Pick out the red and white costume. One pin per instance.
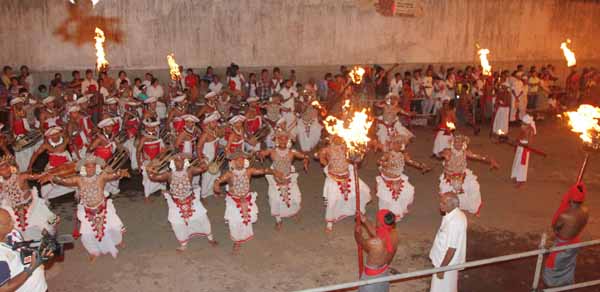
(394, 191)
(29, 214)
(151, 149)
(459, 179)
(101, 229)
(241, 210)
(209, 151)
(20, 128)
(56, 159)
(284, 196)
(187, 215)
(132, 126)
(389, 125)
(340, 188)
(521, 161)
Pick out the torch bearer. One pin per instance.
(354, 131)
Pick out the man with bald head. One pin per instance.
(450, 244)
(14, 274)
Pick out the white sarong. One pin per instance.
(150, 186)
(280, 208)
(441, 142)
(23, 157)
(520, 164)
(308, 139)
(195, 226)
(238, 230)
(501, 120)
(448, 284)
(338, 206)
(399, 205)
(38, 218)
(470, 197)
(131, 149)
(113, 232)
(383, 132)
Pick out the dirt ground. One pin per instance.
(303, 256)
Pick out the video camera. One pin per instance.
(48, 243)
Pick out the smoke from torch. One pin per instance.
(173, 67)
(101, 61)
(569, 55)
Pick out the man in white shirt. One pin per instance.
(450, 244)
(89, 85)
(396, 84)
(14, 275)
(428, 90)
(215, 85)
(148, 79)
(289, 95)
(156, 91)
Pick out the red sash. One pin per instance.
(253, 124)
(551, 261)
(104, 152)
(375, 272)
(56, 160)
(78, 140)
(152, 149)
(524, 156)
(131, 127)
(19, 127)
(238, 203)
(178, 125)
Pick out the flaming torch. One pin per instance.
(354, 130)
(585, 122)
(483, 60)
(174, 69)
(101, 61)
(569, 55)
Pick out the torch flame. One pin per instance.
(356, 134)
(569, 55)
(450, 126)
(316, 103)
(173, 67)
(500, 132)
(101, 61)
(357, 74)
(584, 121)
(485, 64)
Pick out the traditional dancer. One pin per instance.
(339, 190)
(101, 229)
(21, 129)
(131, 122)
(284, 194)
(30, 214)
(49, 116)
(308, 129)
(568, 222)
(187, 138)
(521, 162)
(389, 123)
(236, 136)
(208, 146)
(446, 128)
(241, 210)
(457, 178)
(187, 215)
(273, 114)
(394, 191)
(179, 109)
(149, 146)
(56, 144)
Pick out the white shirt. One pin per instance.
(238, 80)
(35, 283)
(157, 91)
(428, 84)
(452, 234)
(86, 83)
(136, 91)
(104, 92)
(396, 86)
(287, 93)
(215, 87)
(148, 83)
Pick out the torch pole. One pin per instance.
(358, 219)
(583, 167)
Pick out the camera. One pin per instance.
(48, 243)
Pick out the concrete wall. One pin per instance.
(297, 32)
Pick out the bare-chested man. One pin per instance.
(380, 246)
(390, 124)
(567, 224)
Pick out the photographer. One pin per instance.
(14, 274)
